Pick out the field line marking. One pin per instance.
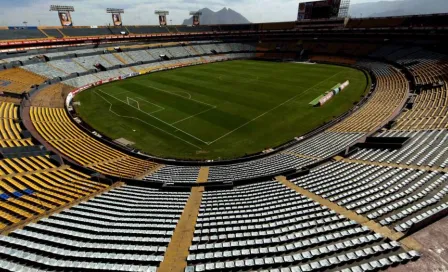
(121, 92)
(160, 107)
(165, 91)
(189, 95)
(261, 115)
(204, 111)
(135, 118)
(156, 118)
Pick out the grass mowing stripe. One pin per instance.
(261, 115)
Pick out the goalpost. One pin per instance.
(133, 103)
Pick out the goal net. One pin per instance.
(133, 103)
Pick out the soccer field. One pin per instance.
(220, 110)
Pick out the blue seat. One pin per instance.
(17, 194)
(4, 196)
(28, 191)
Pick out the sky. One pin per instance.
(141, 12)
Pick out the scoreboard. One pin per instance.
(324, 9)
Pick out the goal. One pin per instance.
(133, 103)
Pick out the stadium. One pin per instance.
(319, 144)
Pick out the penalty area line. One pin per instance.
(160, 120)
(135, 118)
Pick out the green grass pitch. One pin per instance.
(220, 110)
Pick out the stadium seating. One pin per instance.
(268, 226)
(54, 125)
(429, 109)
(52, 32)
(68, 66)
(45, 70)
(127, 229)
(52, 96)
(85, 31)
(10, 127)
(425, 148)
(300, 155)
(173, 174)
(257, 226)
(386, 194)
(139, 55)
(82, 80)
(391, 90)
(147, 29)
(17, 80)
(33, 185)
(15, 34)
(89, 62)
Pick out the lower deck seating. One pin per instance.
(172, 173)
(126, 229)
(30, 186)
(10, 128)
(52, 96)
(267, 226)
(54, 125)
(391, 90)
(425, 148)
(334, 59)
(388, 195)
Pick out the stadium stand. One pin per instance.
(31, 186)
(388, 195)
(173, 174)
(147, 29)
(52, 96)
(427, 148)
(391, 90)
(127, 228)
(55, 33)
(15, 34)
(429, 109)
(54, 125)
(349, 214)
(10, 127)
(68, 66)
(71, 32)
(139, 55)
(267, 225)
(17, 80)
(45, 70)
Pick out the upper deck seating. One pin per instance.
(73, 32)
(147, 29)
(52, 32)
(18, 34)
